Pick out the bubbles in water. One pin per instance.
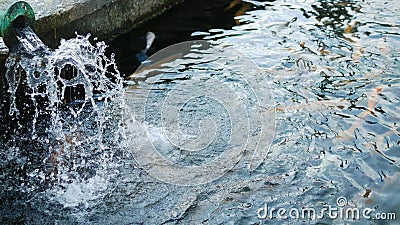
(199, 109)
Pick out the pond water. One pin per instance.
(306, 91)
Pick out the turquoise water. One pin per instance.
(332, 69)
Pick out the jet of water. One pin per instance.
(66, 103)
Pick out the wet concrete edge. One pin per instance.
(104, 19)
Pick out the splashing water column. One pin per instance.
(19, 14)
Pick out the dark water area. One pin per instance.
(175, 26)
(331, 141)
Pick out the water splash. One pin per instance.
(65, 104)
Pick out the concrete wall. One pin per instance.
(105, 19)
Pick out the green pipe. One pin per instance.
(19, 14)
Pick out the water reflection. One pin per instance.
(334, 68)
(178, 25)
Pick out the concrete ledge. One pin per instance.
(104, 19)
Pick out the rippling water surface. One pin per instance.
(332, 69)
